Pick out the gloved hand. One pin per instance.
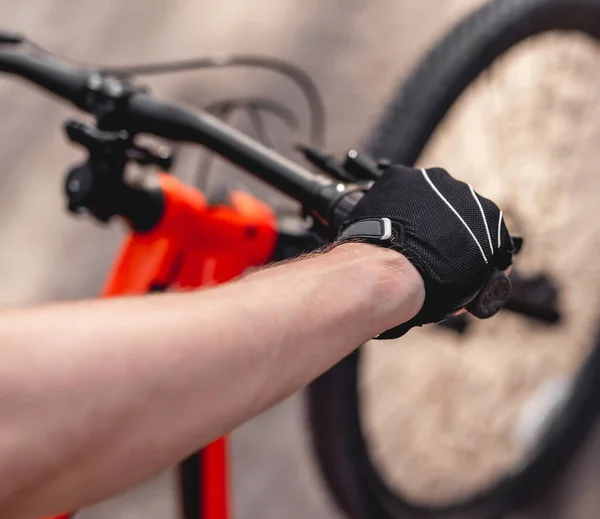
(455, 238)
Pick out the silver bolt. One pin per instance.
(95, 82)
(114, 87)
(340, 187)
(352, 154)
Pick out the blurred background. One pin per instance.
(445, 413)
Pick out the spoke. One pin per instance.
(258, 124)
(223, 111)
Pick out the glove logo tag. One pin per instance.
(371, 229)
(387, 229)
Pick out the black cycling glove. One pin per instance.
(455, 238)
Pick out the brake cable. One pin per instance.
(297, 75)
(254, 107)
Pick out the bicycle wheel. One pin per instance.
(478, 424)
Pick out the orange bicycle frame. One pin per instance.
(196, 244)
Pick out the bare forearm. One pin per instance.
(96, 396)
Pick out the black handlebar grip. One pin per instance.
(55, 76)
(341, 206)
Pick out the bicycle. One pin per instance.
(178, 239)
(466, 75)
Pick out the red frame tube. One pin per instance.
(196, 244)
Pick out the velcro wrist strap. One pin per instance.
(369, 229)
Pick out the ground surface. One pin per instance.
(356, 51)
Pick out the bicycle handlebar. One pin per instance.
(139, 112)
(146, 114)
(52, 74)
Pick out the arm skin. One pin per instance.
(97, 396)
